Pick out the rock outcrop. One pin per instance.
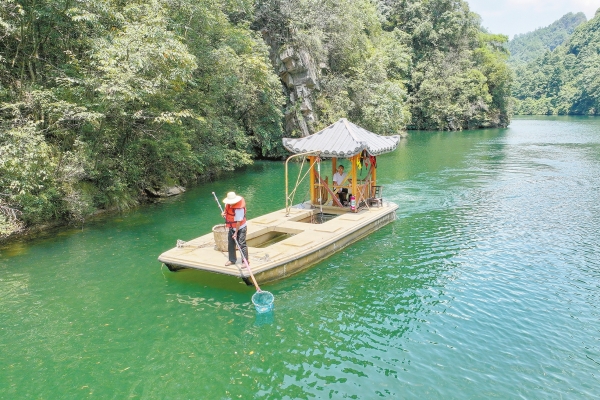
(165, 191)
(299, 76)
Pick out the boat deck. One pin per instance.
(280, 245)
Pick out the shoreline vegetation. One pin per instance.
(33, 231)
(557, 68)
(103, 103)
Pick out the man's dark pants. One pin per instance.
(241, 238)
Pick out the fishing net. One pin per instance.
(263, 301)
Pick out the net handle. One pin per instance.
(219, 204)
(258, 289)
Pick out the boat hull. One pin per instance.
(281, 244)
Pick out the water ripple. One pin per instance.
(487, 285)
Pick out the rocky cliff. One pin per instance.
(299, 76)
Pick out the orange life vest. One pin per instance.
(230, 213)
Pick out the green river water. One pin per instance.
(486, 286)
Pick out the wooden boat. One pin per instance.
(289, 240)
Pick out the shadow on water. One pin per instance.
(204, 279)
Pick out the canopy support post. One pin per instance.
(313, 179)
(373, 175)
(333, 166)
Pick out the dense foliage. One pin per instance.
(530, 46)
(394, 64)
(565, 80)
(105, 101)
(458, 77)
(102, 100)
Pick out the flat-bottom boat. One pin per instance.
(286, 241)
(283, 242)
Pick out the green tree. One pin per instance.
(104, 102)
(565, 80)
(122, 98)
(529, 46)
(458, 79)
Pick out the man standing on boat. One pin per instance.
(235, 220)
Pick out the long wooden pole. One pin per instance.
(258, 289)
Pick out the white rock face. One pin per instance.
(299, 76)
(175, 190)
(166, 191)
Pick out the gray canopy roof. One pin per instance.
(342, 139)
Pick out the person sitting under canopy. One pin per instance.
(339, 179)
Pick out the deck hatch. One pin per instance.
(329, 229)
(270, 238)
(299, 242)
(318, 218)
(352, 217)
(265, 220)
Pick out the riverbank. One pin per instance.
(31, 232)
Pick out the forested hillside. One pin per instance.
(103, 102)
(530, 46)
(564, 81)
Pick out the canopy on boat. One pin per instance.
(342, 139)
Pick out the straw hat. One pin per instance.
(232, 198)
